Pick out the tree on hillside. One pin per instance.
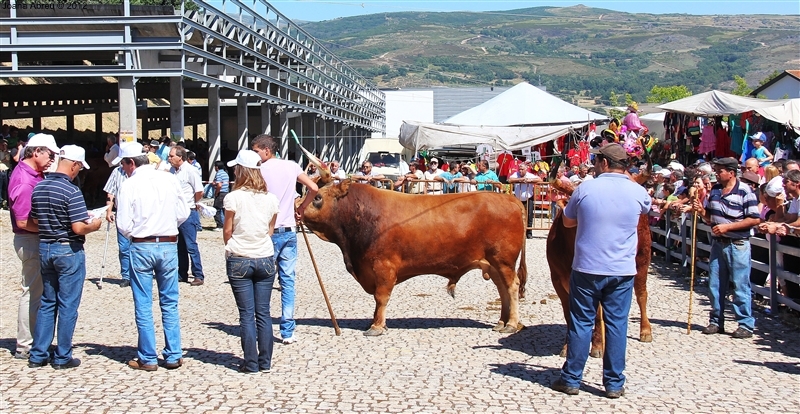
(741, 88)
(664, 94)
(770, 77)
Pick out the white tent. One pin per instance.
(716, 103)
(655, 124)
(520, 117)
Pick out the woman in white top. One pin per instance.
(250, 214)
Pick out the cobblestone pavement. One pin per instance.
(440, 355)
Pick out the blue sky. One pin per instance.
(317, 10)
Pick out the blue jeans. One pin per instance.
(187, 247)
(124, 256)
(251, 282)
(63, 274)
(730, 263)
(586, 292)
(159, 261)
(285, 245)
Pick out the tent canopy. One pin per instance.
(520, 117)
(524, 104)
(717, 103)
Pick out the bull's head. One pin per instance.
(322, 214)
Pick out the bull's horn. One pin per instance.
(324, 170)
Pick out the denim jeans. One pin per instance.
(124, 256)
(156, 261)
(285, 245)
(63, 274)
(730, 263)
(251, 282)
(187, 247)
(586, 292)
(219, 216)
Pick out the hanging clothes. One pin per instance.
(723, 147)
(737, 125)
(708, 140)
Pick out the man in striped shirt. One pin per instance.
(58, 208)
(731, 209)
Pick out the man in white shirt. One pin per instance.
(150, 210)
(523, 181)
(431, 174)
(337, 174)
(112, 150)
(192, 191)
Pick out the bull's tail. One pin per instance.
(522, 271)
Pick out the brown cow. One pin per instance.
(561, 250)
(388, 237)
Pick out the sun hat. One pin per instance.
(246, 158)
(128, 150)
(155, 143)
(74, 153)
(43, 140)
(750, 177)
(433, 160)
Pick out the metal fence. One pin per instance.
(675, 241)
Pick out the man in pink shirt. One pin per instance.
(281, 177)
(36, 158)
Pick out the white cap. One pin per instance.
(433, 160)
(74, 153)
(246, 158)
(676, 166)
(664, 172)
(758, 136)
(774, 187)
(575, 179)
(43, 140)
(128, 150)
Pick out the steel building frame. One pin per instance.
(245, 46)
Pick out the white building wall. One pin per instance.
(785, 87)
(412, 105)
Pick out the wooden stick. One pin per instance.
(693, 197)
(319, 279)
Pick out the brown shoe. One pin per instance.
(173, 365)
(136, 364)
(711, 329)
(197, 282)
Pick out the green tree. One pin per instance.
(770, 77)
(613, 99)
(741, 88)
(664, 94)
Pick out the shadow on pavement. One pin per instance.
(10, 344)
(208, 356)
(535, 340)
(121, 354)
(672, 324)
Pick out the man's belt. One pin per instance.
(285, 229)
(728, 240)
(155, 239)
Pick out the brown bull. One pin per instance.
(388, 237)
(561, 250)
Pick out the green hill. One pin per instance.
(577, 52)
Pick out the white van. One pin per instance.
(387, 157)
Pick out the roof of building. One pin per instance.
(793, 73)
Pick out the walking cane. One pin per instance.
(319, 279)
(692, 197)
(99, 283)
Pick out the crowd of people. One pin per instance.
(153, 199)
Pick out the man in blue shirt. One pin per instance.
(731, 210)
(606, 211)
(58, 208)
(485, 177)
(221, 189)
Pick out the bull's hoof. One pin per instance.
(373, 331)
(563, 353)
(596, 353)
(510, 329)
(646, 338)
(500, 325)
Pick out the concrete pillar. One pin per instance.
(71, 127)
(176, 116)
(194, 132)
(266, 118)
(127, 109)
(242, 123)
(37, 124)
(284, 135)
(213, 126)
(98, 123)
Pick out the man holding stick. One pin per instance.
(281, 177)
(731, 209)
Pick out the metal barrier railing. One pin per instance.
(772, 266)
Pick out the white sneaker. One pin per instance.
(290, 340)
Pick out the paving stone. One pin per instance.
(439, 356)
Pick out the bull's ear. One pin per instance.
(344, 187)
